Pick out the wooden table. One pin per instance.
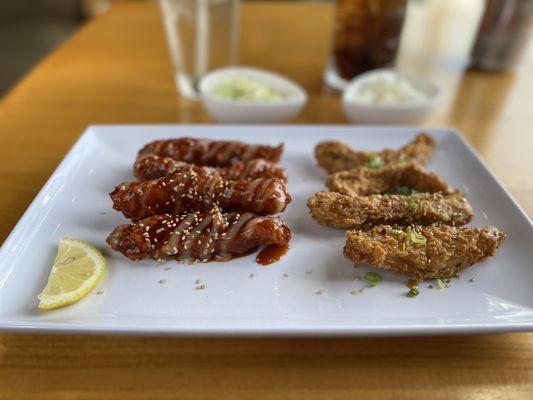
(116, 70)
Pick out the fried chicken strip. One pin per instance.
(198, 237)
(441, 251)
(391, 178)
(336, 156)
(192, 191)
(153, 166)
(210, 152)
(362, 212)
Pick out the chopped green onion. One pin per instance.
(374, 162)
(405, 190)
(395, 231)
(415, 237)
(412, 204)
(413, 292)
(401, 160)
(441, 284)
(372, 278)
(401, 190)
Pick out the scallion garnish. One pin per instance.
(441, 284)
(401, 160)
(413, 292)
(405, 190)
(395, 231)
(372, 278)
(415, 237)
(412, 204)
(401, 190)
(374, 162)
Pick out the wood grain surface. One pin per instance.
(116, 69)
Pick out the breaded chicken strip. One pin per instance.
(362, 212)
(336, 156)
(435, 251)
(399, 179)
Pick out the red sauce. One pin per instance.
(271, 254)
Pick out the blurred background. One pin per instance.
(30, 29)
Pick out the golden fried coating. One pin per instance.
(438, 251)
(336, 156)
(391, 178)
(362, 212)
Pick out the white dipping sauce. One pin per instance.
(388, 88)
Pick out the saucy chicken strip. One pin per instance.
(153, 166)
(192, 191)
(435, 251)
(392, 179)
(335, 156)
(198, 236)
(210, 152)
(362, 212)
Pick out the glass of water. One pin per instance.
(202, 35)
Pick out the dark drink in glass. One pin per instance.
(366, 35)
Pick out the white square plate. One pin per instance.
(280, 299)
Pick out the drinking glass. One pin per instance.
(202, 35)
(366, 35)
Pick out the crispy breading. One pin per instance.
(335, 156)
(365, 181)
(447, 250)
(362, 212)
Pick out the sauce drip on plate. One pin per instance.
(271, 254)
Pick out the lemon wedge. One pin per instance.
(77, 268)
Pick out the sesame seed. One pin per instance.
(162, 281)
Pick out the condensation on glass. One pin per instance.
(202, 35)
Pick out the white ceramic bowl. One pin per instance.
(358, 111)
(233, 111)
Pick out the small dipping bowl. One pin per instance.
(359, 111)
(251, 111)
